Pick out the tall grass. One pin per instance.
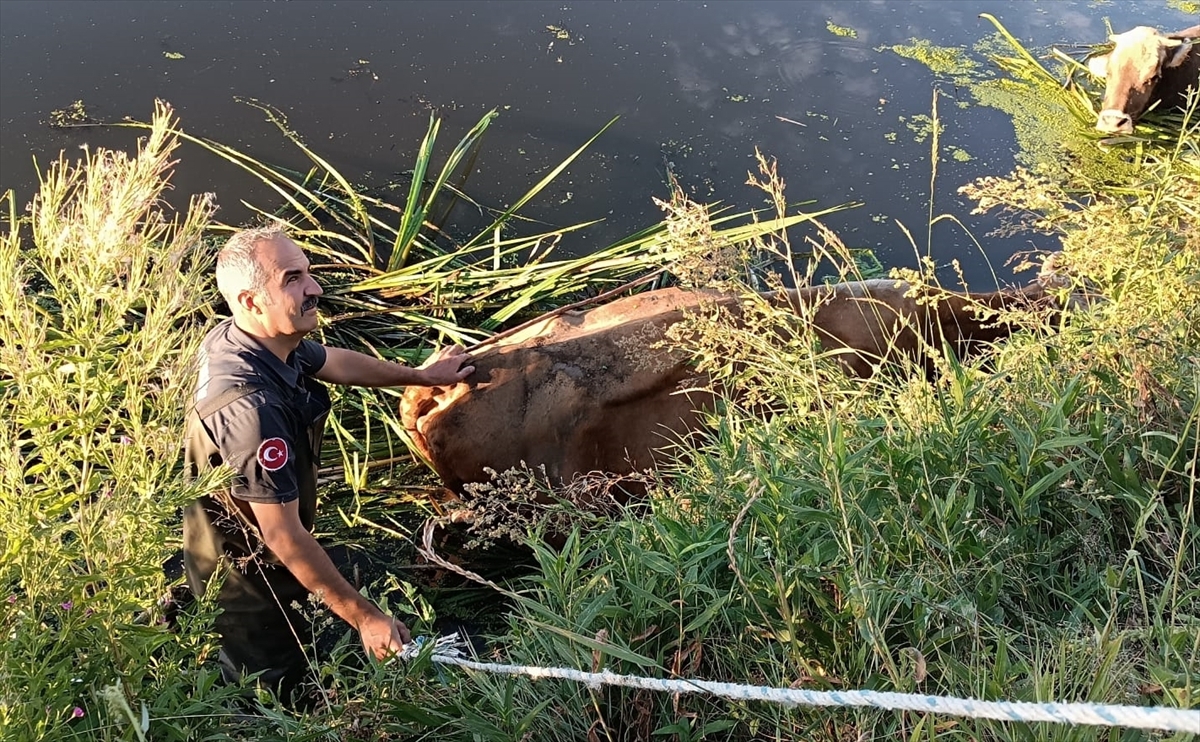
(100, 327)
(1024, 532)
(97, 341)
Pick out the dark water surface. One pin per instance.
(697, 86)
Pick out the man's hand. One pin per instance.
(447, 366)
(382, 636)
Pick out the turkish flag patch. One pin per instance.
(273, 454)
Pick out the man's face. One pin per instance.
(287, 305)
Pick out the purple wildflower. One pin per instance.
(77, 713)
(68, 605)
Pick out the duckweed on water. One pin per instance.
(921, 126)
(942, 60)
(1045, 128)
(1185, 6)
(843, 31)
(959, 154)
(561, 34)
(74, 114)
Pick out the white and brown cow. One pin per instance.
(587, 391)
(1145, 67)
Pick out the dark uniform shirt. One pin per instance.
(265, 419)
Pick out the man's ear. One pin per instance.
(1098, 66)
(249, 301)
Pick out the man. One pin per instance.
(260, 409)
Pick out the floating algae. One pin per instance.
(921, 126)
(959, 154)
(1053, 124)
(950, 61)
(73, 115)
(843, 31)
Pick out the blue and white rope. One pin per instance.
(447, 651)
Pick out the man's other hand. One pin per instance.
(383, 636)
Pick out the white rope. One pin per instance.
(448, 651)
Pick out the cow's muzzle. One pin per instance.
(1112, 121)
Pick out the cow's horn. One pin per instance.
(1171, 43)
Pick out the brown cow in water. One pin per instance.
(585, 391)
(1145, 67)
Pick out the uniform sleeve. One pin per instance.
(311, 355)
(257, 442)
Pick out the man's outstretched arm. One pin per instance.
(348, 367)
(296, 548)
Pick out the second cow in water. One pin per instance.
(1145, 68)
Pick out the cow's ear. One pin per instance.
(1098, 66)
(1176, 56)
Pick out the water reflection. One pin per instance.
(697, 85)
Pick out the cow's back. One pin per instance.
(590, 391)
(580, 392)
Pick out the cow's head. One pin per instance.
(1132, 69)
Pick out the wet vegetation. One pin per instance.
(1023, 528)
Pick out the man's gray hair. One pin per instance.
(238, 268)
